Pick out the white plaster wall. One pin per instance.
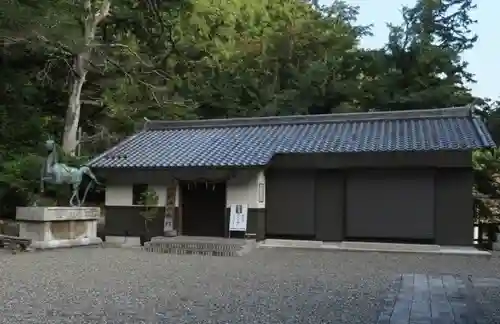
(248, 187)
(121, 195)
(118, 195)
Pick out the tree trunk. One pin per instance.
(91, 19)
(72, 119)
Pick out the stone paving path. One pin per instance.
(428, 299)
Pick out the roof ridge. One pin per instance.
(452, 112)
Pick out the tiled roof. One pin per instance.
(254, 141)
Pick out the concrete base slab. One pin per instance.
(291, 244)
(123, 241)
(463, 250)
(55, 244)
(374, 247)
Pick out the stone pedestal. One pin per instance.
(55, 227)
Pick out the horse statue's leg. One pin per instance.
(76, 195)
(72, 199)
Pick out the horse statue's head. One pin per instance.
(50, 145)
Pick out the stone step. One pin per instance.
(200, 246)
(195, 251)
(197, 245)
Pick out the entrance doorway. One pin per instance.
(203, 208)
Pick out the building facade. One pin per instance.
(245, 187)
(397, 176)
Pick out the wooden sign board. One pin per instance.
(238, 218)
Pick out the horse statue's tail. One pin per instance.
(86, 170)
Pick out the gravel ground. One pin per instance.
(115, 285)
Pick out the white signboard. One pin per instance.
(168, 224)
(238, 218)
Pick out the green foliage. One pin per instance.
(486, 166)
(149, 201)
(490, 111)
(18, 174)
(211, 59)
(421, 64)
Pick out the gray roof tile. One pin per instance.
(253, 142)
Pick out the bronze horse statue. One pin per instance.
(57, 173)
